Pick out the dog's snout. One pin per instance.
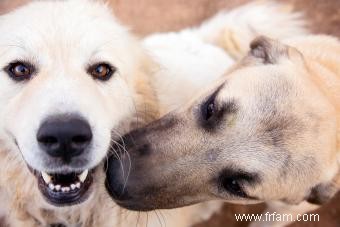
(64, 137)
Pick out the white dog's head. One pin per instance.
(67, 81)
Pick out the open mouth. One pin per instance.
(65, 189)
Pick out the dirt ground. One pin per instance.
(147, 16)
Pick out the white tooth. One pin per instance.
(73, 186)
(46, 177)
(51, 186)
(78, 184)
(83, 175)
(57, 187)
(65, 189)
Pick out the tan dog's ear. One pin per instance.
(264, 50)
(324, 192)
(267, 50)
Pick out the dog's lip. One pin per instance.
(65, 189)
(135, 207)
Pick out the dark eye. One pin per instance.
(233, 181)
(101, 71)
(209, 109)
(20, 70)
(232, 185)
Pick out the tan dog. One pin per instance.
(269, 130)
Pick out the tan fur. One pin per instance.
(274, 131)
(147, 104)
(323, 57)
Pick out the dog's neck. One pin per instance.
(324, 56)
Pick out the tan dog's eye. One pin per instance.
(20, 70)
(232, 186)
(233, 181)
(209, 108)
(101, 71)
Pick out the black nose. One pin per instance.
(116, 181)
(64, 137)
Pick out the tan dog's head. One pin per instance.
(264, 132)
(70, 76)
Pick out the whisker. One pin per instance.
(123, 146)
(159, 220)
(163, 217)
(138, 217)
(147, 219)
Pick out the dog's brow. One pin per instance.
(219, 88)
(215, 93)
(18, 45)
(15, 41)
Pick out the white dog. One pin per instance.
(73, 80)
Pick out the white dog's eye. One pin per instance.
(20, 70)
(101, 71)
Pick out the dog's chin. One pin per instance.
(65, 189)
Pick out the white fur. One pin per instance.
(187, 64)
(237, 30)
(62, 86)
(193, 57)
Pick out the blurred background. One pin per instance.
(148, 16)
